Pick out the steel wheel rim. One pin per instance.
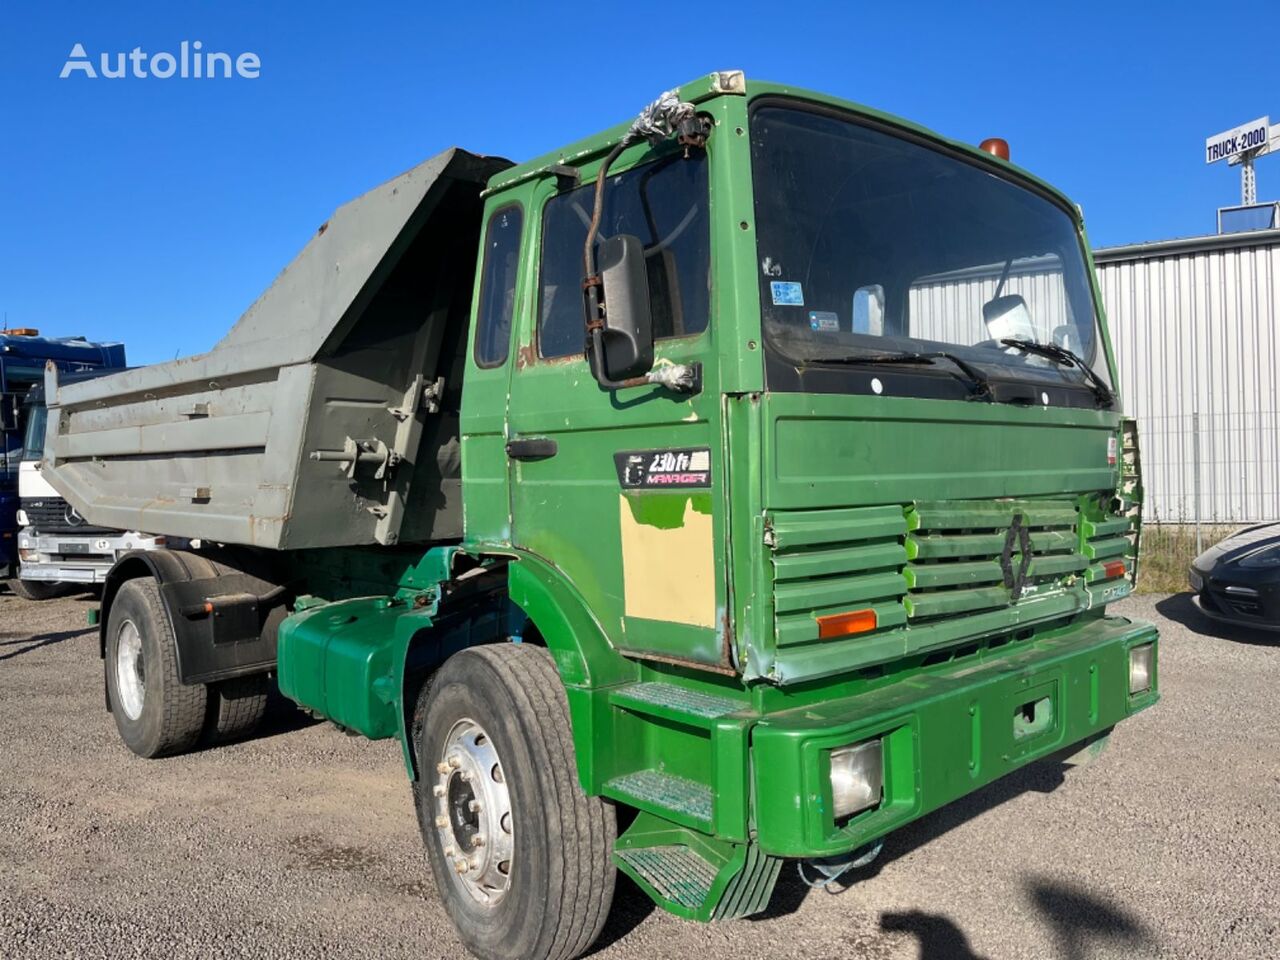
(130, 672)
(473, 812)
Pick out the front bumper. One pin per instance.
(1232, 599)
(945, 733)
(87, 572)
(75, 557)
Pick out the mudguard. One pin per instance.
(224, 618)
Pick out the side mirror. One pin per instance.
(1068, 336)
(1008, 317)
(627, 336)
(10, 415)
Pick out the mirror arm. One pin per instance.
(665, 116)
(676, 377)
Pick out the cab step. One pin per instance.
(695, 876)
(671, 702)
(676, 873)
(681, 754)
(683, 800)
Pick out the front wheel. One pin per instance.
(35, 589)
(521, 856)
(155, 712)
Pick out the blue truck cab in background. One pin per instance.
(23, 355)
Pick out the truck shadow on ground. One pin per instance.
(282, 716)
(35, 643)
(1079, 921)
(1042, 777)
(1075, 917)
(1179, 608)
(1080, 924)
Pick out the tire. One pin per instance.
(167, 716)
(236, 707)
(35, 589)
(560, 875)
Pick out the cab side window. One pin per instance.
(664, 203)
(498, 286)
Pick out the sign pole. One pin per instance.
(1248, 179)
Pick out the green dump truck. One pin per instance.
(732, 487)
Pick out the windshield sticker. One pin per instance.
(824, 321)
(787, 293)
(664, 469)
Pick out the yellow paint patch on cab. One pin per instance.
(669, 574)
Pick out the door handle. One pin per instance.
(534, 448)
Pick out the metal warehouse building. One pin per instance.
(1195, 327)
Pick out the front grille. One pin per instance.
(957, 553)
(1248, 608)
(55, 515)
(930, 562)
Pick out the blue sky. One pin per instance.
(154, 211)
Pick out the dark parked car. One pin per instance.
(1238, 580)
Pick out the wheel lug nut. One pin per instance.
(478, 840)
(474, 806)
(461, 865)
(443, 767)
(438, 790)
(442, 821)
(473, 864)
(449, 851)
(454, 763)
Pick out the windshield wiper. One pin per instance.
(979, 386)
(1067, 358)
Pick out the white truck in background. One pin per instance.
(57, 548)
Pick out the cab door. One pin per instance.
(486, 493)
(621, 490)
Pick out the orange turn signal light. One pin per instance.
(844, 624)
(1113, 568)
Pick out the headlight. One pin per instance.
(1141, 660)
(857, 777)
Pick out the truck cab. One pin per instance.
(58, 548)
(895, 510)
(23, 356)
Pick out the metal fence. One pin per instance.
(1196, 329)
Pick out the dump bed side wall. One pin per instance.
(219, 447)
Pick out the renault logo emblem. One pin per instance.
(1017, 539)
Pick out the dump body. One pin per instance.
(327, 416)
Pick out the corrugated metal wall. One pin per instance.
(1196, 328)
(948, 308)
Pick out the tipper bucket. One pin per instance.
(327, 416)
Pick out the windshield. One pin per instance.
(870, 243)
(37, 414)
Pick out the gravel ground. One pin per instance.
(302, 843)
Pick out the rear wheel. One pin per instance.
(521, 856)
(35, 589)
(154, 711)
(236, 707)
